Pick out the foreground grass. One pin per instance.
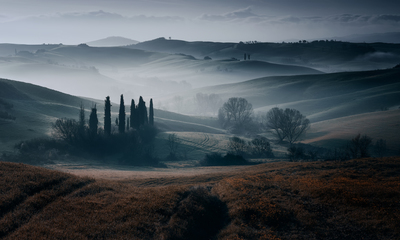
(357, 199)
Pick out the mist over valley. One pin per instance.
(245, 120)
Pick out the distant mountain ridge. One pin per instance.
(113, 41)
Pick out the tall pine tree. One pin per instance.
(151, 113)
(107, 116)
(93, 121)
(121, 116)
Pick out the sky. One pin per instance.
(79, 21)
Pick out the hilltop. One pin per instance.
(112, 42)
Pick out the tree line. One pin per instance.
(237, 116)
(132, 138)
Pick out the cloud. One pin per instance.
(99, 16)
(247, 15)
(235, 15)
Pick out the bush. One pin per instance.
(215, 159)
(295, 153)
(260, 147)
(237, 146)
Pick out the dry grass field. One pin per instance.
(357, 199)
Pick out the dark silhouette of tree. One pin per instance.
(142, 112)
(121, 116)
(151, 114)
(359, 146)
(380, 148)
(82, 120)
(260, 147)
(93, 121)
(116, 122)
(133, 117)
(107, 116)
(236, 113)
(244, 57)
(66, 129)
(295, 153)
(81, 123)
(127, 124)
(248, 56)
(287, 124)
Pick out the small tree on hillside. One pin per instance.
(236, 113)
(107, 116)
(287, 124)
(66, 129)
(121, 116)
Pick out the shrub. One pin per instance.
(260, 147)
(215, 159)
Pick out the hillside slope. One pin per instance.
(355, 199)
(320, 97)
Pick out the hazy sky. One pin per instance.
(77, 21)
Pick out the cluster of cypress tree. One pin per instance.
(138, 115)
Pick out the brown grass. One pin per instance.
(357, 199)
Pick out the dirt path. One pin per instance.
(117, 172)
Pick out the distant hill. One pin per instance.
(387, 37)
(321, 96)
(327, 56)
(112, 42)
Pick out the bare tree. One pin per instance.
(235, 113)
(287, 124)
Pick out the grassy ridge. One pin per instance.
(318, 200)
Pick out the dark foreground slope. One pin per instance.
(356, 199)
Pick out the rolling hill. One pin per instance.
(320, 97)
(112, 42)
(324, 55)
(116, 70)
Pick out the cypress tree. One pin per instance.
(93, 121)
(133, 116)
(121, 116)
(82, 122)
(151, 113)
(107, 117)
(141, 112)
